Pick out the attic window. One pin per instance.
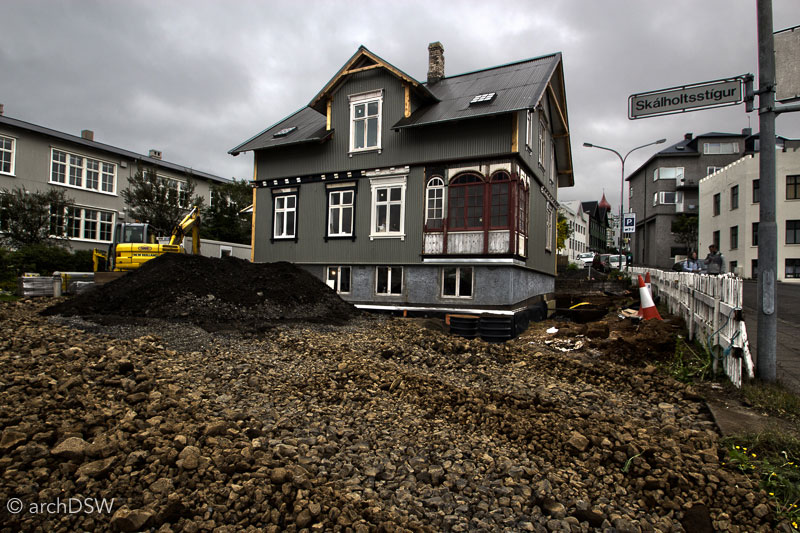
(284, 132)
(483, 98)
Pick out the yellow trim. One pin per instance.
(328, 115)
(361, 69)
(253, 228)
(346, 71)
(515, 133)
(554, 99)
(255, 166)
(407, 98)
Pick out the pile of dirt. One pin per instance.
(215, 294)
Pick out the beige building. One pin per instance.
(578, 221)
(729, 213)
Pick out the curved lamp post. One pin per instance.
(622, 183)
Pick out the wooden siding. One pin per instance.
(311, 245)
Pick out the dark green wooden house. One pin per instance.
(436, 197)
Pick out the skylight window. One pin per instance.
(285, 131)
(483, 98)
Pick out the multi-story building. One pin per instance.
(92, 174)
(427, 197)
(666, 186)
(729, 213)
(598, 213)
(578, 222)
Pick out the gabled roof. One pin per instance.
(363, 60)
(518, 86)
(147, 160)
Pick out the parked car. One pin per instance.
(585, 259)
(617, 262)
(680, 266)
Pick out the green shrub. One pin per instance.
(43, 259)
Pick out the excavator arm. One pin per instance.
(190, 222)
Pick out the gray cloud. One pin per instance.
(195, 78)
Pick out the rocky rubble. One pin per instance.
(376, 425)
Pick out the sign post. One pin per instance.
(629, 223)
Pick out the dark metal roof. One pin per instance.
(518, 85)
(310, 127)
(109, 149)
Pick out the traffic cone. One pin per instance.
(647, 283)
(647, 309)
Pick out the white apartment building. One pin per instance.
(729, 213)
(578, 222)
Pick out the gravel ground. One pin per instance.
(375, 425)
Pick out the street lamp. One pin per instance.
(622, 183)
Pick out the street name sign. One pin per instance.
(704, 95)
(629, 223)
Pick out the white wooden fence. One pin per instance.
(711, 307)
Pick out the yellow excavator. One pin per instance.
(135, 243)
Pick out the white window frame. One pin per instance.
(715, 148)
(549, 227)
(12, 153)
(76, 223)
(438, 188)
(366, 99)
(531, 120)
(678, 171)
(284, 211)
(390, 272)
(376, 184)
(659, 198)
(542, 142)
(458, 283)
(338, 210)
(337, 280)
(552, 170)
(76, 168)
(711, 169)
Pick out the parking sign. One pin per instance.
(629, 223)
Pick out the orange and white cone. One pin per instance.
(647, 309)
(647, 283)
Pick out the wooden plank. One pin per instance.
(407, 100)
(361, 69)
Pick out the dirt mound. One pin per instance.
(215, 294)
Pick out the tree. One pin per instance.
(159, 201)
(223, 220)
(31, 217)
(563, 232)
(684, 227)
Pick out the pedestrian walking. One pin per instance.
(715, 261)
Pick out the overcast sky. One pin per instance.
(196, 78)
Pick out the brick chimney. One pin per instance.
(747, 131)
(435, 62)
(155, 154)
(1, 110)
(688, 136)
(87, 134)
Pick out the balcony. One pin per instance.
(686, 183)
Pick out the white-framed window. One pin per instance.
(388, 280)
(457, 282)
(668, 173)
(711, 170)
(388, 207)
(285, 221)
(664, 198)
(630, 191)
(82, 223)
(339, 279)
(434, 204)
(549, 228)
(81, 172)
(7, 151)
(340, 213)
(530, 126)
(542, 143)
(365, 121)
(721, 148)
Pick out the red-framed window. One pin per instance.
(465, 202)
